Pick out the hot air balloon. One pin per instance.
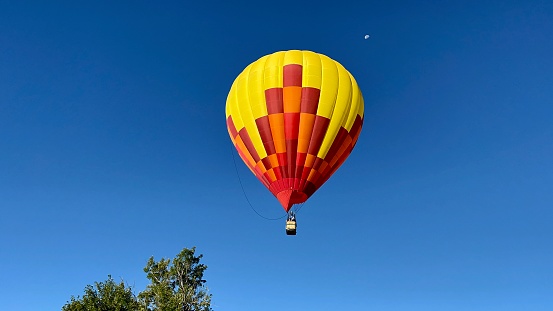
(294, 117)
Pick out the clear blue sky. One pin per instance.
(113, 148)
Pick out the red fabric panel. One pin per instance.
(291, 130)
(244, 158)
(305, 172)
(317, 164)
(347, 143)
(336, 144)
(248, 142)
(282, 160)
(273, 98)
(310, 100)
(324, 169)
(309, 189)
(259, 174)
(266, 163)
(302, 182)
(341, 160)
(231, 127)
(264, 129)
(318, 181)
(291, 151)
(278, 173)
(356, 128)
(292, 75)
(319, 130)
(300, 159)
(267, 177)
(291, 126)
(296, 184)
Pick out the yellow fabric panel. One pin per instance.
(329, 87)
(356, 102)
(230, 97)
(361, 102)
(274, 79)
(341, 110)
(293, 57)
(311, 73)
(232, 108)
(256, 90)
(244, 106)
(240, 100)
(361, 111)
(273, 70)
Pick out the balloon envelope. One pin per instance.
(294, 117)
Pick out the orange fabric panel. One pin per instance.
(306, 128)
(271, 174)
(273, 160)
(276, 122)
(309, 160)
(323, 167)
(292, 99)
(313, 175)
(240, 145)
(343, 148)
(261, 167)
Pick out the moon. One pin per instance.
(367, 36)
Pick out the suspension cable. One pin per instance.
(244, 192)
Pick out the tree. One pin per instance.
(104, 296)
(176, 285)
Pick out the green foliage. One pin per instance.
(104, 296)
(175, 285)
